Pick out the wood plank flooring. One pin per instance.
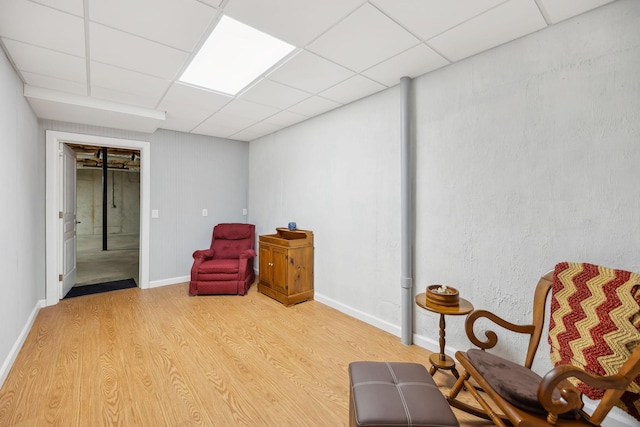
(158, 357)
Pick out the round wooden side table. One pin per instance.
(441, 360)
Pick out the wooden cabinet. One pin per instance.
(286, 265)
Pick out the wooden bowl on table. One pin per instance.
(443, 295)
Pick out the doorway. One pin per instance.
(55, 256)
(107, 214)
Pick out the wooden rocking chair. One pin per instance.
(526, 399)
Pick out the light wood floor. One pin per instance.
(158, 357)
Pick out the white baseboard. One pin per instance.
(11, 357)
(367, 318)
(419, 340)
(616, 418)
(430, 344)
(166, 282)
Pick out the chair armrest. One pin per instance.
(557, 379)
(198, 258)
(491, 337)
(248, 253)
(205, 253)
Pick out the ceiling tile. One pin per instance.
(314, 106)
(363, 39)
(354, 88)
(47, 62)
(295, 21)
(75, 7)
(412, 63)
(286, 118)
(214, 3)
(42, 26)
(427, 19)
(256, 131)
(187, 107)
(223, 125)
(176, 23)
(310, 73)
(250, 110)
(274, 94)
(54, 83)
(502, 24)
(125, 81)
(181, 96)
(559, 10)
(134, 53)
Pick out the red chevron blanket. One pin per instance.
(595, 323)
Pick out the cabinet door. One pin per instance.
(279, 269)
(266, 269)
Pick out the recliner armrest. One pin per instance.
(205, 253)
(248, 253)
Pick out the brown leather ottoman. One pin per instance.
(396, 394)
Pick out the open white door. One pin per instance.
(68, 220)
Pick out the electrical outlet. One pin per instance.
(244, 211)
(205, 212)
(155, 213)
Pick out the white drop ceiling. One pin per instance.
(116, 63)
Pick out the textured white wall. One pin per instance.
(526, 155)
(21, 219)
(338, 175)
(529, 155)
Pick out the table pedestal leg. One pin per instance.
(443, 326)
(441, 360)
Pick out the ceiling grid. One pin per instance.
(117, 63)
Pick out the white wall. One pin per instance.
(21, 219)
(338, 175)
(190, 173)
(526, 155)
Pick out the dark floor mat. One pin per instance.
(99, 288)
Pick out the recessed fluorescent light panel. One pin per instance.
(233, 56)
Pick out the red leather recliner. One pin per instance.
(227, 266)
